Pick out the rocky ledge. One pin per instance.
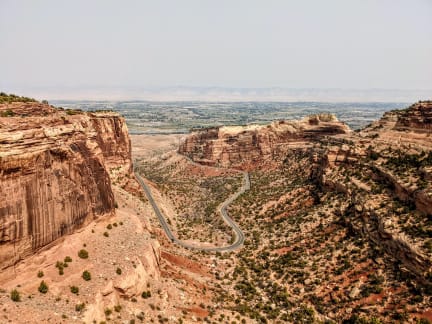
(417, 117)
(383, 172)
(54, 173)
(243, 146)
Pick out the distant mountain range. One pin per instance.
(184, 93)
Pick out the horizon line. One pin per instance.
(220, 94)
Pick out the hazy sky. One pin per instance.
(226, 43)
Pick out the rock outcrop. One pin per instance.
(383, 172)
(363, 220)
(113, 138)
(54, 173)
(241, 146)
(417, 118)
(129, 286)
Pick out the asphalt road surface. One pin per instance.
(239, 236)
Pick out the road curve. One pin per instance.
(239, 236)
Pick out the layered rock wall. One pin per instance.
(369, 211)
(113, 138)
(54, 174)
(417, 117)
(240, 146)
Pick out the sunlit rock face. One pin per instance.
(417, 118)
(242, 146)
(54, 176)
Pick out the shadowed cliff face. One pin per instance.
(245, 146)
(53, 173)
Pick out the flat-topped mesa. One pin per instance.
(54, 173)
(243, 146)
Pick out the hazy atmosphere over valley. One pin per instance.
(216, 161)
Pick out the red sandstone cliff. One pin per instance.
(240, 146)
(113, 138)
(417, 117)
(54, 173)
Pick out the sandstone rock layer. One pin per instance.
(242, 146)
(54, 176)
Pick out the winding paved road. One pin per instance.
(239, 236)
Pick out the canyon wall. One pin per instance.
(417, 118)
(383, 172)
(54, 173)
(243, 146)
(380, 171)
(113, 138)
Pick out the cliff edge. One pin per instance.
(244, 146)
(54, 172)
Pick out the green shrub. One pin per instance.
(83, 254)
(68, 259)
(86, 275)
(117, 308)
(106, 234)
(79, 307)
(109, 226)
(146, 294)
(74, 290)
(60, 266)
(8, 98)
(40, 274)
(43, 287)
(7, 113)
(119, 271)
(15, 295)
(72, 112)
